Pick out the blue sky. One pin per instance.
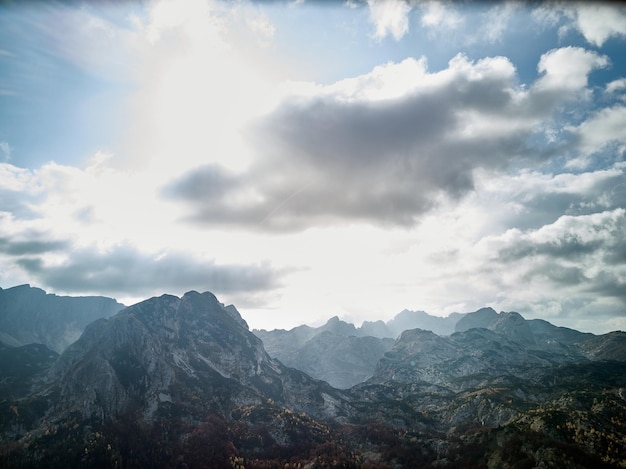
(309, 159)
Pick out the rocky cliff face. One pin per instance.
(29, 315)
(170, 348)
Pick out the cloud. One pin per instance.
(124, 270)
(604, 128)
(19, 191)
(440, 16)
(568, 68)
(600, 21)
(356, 150)
(574, 251)
(531, 199)
(36, 245)
(597, 21)
(496, 22)
(389, 17)
(616, 85)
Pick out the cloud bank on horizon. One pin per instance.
(302, 160)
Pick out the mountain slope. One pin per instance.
(182, 382)
(21, 366)
(184, 366)
(184, 346)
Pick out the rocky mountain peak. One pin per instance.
(483, 317)
(339, 327)
(514, 325)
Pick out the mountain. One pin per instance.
(406, 320)
(334, 352)
(482, 318)
(29, 315)
(183, 345)
(339, 360)
(516, 394)
(182, 382)
(166, 364)
(342, 354)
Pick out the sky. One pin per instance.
(305, 159)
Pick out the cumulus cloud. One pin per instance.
(600, 21)
(389, 17)
(580, 252)
(531, 199)
(568, 68)
(354, 150)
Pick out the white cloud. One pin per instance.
(568, 68)
(599, 21)
(547, 14)
(440, 16)
(615, 86)
(605, 127)
(596, 21)
(496, 22)
(389, 81)
(389, 17)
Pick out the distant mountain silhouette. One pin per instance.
(29, 315)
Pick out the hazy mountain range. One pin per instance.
(343, 354)
(183, 382)
(30, 315)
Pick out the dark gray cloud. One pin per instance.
(388, 161)
(384, 162)
(15, 247)
(608, 283)
(126, 271)
(572, 248)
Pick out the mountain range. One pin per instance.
(183, 382)
(341, 353)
